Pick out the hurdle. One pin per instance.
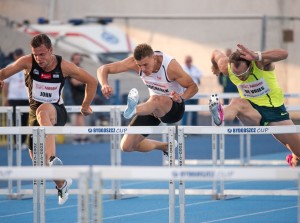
(8, 110)
(70, 109)
(194, 173)
(100, 173)
(232, 130)
(115, 154)
(39, 158)
(169, 130)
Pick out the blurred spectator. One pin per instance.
(228, 86)
(15, 94)
(101, 118)
(2, 59)
(76, 93)
(191, 118)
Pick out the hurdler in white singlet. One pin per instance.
(159, 83)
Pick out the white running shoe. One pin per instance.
(63, 193)
(216, 109)
(55, 161)
(132, 101)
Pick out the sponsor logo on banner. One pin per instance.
(107, 130)
(248, 130)
(202, 174)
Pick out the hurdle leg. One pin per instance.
(222, 161)
(97, 198)
(118, 150)
(36, 189)
(18, 151)
(242, 159)
(41, 162)
(113, 153)
(164, 138)
(83, 198)
(171, 182)
(181, 163)
(10, 151)
(214, 163)
(248, 148)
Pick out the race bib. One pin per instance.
(255, 89)
(45, 92)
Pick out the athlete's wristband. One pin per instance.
(259, 56)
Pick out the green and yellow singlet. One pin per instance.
(261, 87)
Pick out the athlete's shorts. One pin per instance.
(173, 116)
(271, 114)
(61, 117)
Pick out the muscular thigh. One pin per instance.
(246, 113)
(163, 104)
(46, 112)
(57, 114)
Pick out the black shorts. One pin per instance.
(173, 116)
(61, 116)
(271, 114)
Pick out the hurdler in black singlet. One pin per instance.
(45, 87)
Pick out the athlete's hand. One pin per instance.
(86, 110)
(106, 91)
(1, 83)
(176, 97)
(215, 70)
(246, 53)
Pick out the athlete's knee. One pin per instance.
(234, 102)
(41, 115)
(126, 147)
(239, 104)
(44, 117)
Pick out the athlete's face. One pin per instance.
(42, 55)
(242, 72)
(146, 65)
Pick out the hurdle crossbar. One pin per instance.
(99, 173)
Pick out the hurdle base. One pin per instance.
(225, 197)
(16, 196)
(122, 196)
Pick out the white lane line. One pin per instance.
(252, 214)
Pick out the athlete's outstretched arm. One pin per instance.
(15, 67)
(219, 63)
(176, 73)
(114, 68)
(83, 76)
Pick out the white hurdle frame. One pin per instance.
(170, 130)
(100, 173)
(9, 111)
(70, 109)
(115, 152)
(233, 130)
